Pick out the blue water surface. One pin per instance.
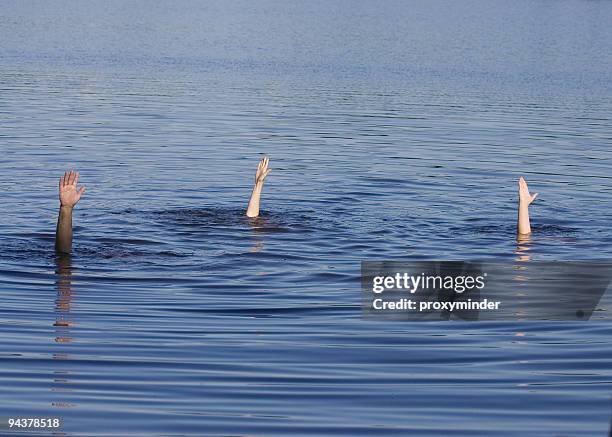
(396, 131)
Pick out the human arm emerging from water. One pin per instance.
(525, 199)
(260, 176)
(69, 196)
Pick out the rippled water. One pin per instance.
(395, 131)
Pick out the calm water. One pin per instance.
(395, 131)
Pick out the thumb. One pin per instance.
(81, 191)
(534, 196)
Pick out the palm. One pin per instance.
(68, 193)
(262, 170)
(524, 195)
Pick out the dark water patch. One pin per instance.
(30, 251)
(542, 230)
(42, 253)
(269, 222)
(121, 251)
(555, 230)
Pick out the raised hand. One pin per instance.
(262, 171)
(524, 197)
(68, 193)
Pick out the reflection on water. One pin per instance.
(64, 294)
(521, 275)
(523, 247)
(63, 324)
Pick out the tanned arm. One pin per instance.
(69, 196)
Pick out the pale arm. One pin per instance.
(260, 176)
(69, 197)
(525, 199)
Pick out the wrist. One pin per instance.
(66, 207)
(524, 203)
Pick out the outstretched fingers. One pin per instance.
(263, 169)
(263, 164)
(70, 178)
(69, 192)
